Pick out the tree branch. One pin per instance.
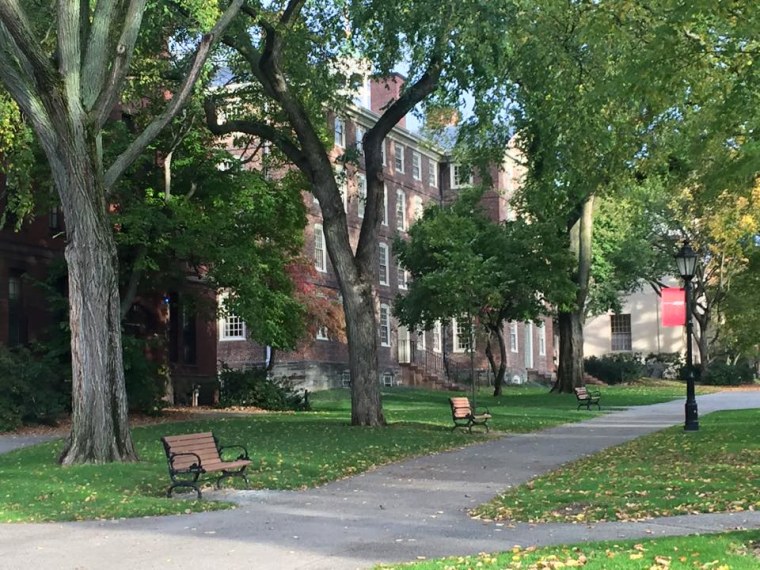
(108, 92)
(97, 47)
(292, 10)
(134, 150)
(26, 49)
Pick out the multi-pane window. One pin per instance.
(340, 132)
(403, 277)
(382, 254)
(385, 325)
(513, 337)
(320, 253)
(398, 157)
(437, 335)
(384, 214)
(233, 328)
(432, 173)
(342, 182)
(620, 327)
(528, 350)
(360, 132)
(421, 342)
(361, 190)
(416, 166)
(322, 333)
(541, 340)
(462, 337)
(418, 208)
(460, 176)
(400, 210)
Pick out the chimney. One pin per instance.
(383, 92)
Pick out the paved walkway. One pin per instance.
(396, 513)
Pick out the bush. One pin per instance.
(664, 365)
(255, 388)
(721, 373)
(615, 368)
(32, 388)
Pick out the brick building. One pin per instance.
(417, 173)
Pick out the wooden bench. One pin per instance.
(192, 455)
(587, 398)
(464, 416)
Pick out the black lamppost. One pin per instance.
(686, 260)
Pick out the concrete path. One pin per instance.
(400, 512)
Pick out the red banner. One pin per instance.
(673, 307)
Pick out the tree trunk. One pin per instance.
(100, 426)
(570, 369)
(500, 372)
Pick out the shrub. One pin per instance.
(144, 378)
(32, 388)
(615, 368)
(664, 365)
(256, 388)
(721, 373)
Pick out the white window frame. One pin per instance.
(225, 322)
(385, 204)
(322, 333)
(398, 157)
(360, 132)
(339, 132)
(422, 344)
(384, 323)
(382, 263)
(400, 210)
(320, 251)
(403, 277)
(432, 173)
(514, 342)
(459, 346)
(361, 191)
(342, 181)
(438, 337)
(382, 151)
(542, 339)
(455, 178)
(528, 350)
(416, 165)
(418, 208)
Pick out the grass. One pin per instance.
(732, 550)
(290, 450)
(666, 473)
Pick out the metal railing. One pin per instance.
(426, 360)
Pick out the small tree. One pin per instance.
(462, 263)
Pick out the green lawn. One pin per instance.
(289, 450)
(666, 473)
(727, 551)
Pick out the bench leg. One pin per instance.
(188, 484)
(227, 474)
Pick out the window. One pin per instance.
(54, 219)
(320, 255)
(189, 337)
(232, 328)
(385, 325)
(322, 333)
(385, 205)
(382, 253)
(15, 312)
(340, 132)
(360, 132)
(528, 332)
(418, 208)
(432, 173)
(400, 210)
(342, 182)
(382, 151)
(620, 327)
(461, 338)
(416, 166)
(513, 337)
(387, 378)
(460, 176)
(437, 335)
(398, 157)
(541, 340)
(361, 190)
(422, 341)
(403, 276)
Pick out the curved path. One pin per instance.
(395, 513)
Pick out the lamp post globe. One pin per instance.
(686, 261)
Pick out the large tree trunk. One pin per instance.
(570, 369)
(500, 371)
(99, 427)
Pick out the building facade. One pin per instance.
(417, 174)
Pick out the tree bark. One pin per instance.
(499, 372)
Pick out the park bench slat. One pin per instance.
(587, 398)
(463, 414)
(191, 455)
